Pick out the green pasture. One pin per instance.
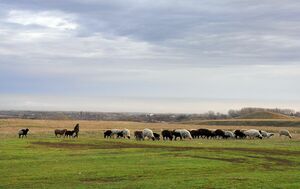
(42, 161)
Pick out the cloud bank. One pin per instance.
(228, 50)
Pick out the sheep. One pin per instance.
(285, 132)
(156, 136)
(148, 133)
(183, 133)
(107, 133)
(121, 133)
(229, 134)
(176, 134)
(167, 135)
(194, 133)
(266, 134)
(69, 133)
(220, 133)
(206, 133)
(139, 135)
(59, 132)
(23, 132)
(239, 134)
(117, 132)
(126, 133)
(252, 133)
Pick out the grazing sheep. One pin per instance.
(194, 133)
(239, 134)
(126, 133)
(220, 133)
(206, 133)
(116, 132)
(166, 134)
(285, 133)
(69, 134)
(176, 134)
(120, 134)
(148, 133)
(266, 134)
(59, 132)
(107, 134)
(183, 133)
(156, 136)
(253, 133)
(139, 135)
(23, 132)
(229, 134)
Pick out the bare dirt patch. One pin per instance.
(260, 151)
(103, 180)
(111, 179)
(230, 160)
(275, 163)
(105, 145)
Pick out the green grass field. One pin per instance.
(42, 161)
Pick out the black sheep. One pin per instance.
(194, 133)
(120, 134)
(206, 133)
(23, 132)
(220, 133)
(69, 134)
(156, 136)
(107, 134)
(239, 134)
(176, 134)
(167, 135)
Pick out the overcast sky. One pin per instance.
(149, 56)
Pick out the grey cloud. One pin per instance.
(182, 49)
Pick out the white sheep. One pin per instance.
(148, 133)
(252, 133)
(266, 134)
(285, 133)
(184, 133)
(126, 133)
(229, 134)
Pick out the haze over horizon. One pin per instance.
(144, 56)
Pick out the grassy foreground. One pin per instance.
(42, 161)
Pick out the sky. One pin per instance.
(164, 56)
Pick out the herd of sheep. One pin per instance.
(172, 134)
(192, 134)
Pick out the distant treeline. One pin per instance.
(245, 111)
(140, 117)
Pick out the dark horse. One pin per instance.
(76, 130)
